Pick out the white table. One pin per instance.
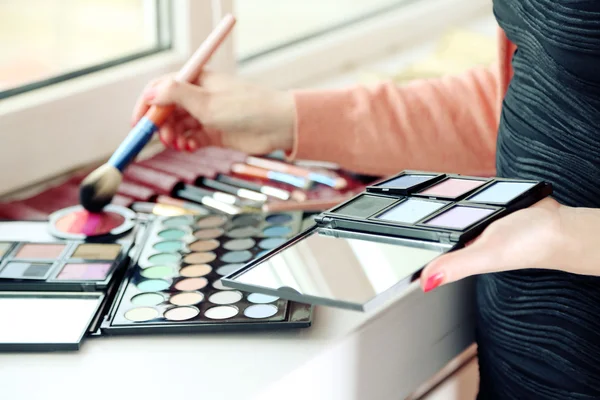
(345, 355)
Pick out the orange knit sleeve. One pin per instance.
(447, 124)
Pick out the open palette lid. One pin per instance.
(372, 246)
(37, 321)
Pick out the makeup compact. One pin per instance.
(161, 276)
(60, 266)
(366, 250)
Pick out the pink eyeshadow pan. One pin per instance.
(84, 272)
(460, 217)
(452, 187)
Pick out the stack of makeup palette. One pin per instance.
(150, 274)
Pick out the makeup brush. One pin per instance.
(99, 187)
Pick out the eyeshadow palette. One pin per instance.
(62, 266)
(176, 283)
(363, 251)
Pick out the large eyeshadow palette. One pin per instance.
(176, 283)
(364, 250)
(63, 266)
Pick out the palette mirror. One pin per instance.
(341, 269)
(46, 321)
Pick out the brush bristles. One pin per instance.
(99, 187)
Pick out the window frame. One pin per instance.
(346, 47)
(68, 125)
(88, 116)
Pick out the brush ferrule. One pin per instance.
(135, 141)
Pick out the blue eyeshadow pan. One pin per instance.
(406, 181)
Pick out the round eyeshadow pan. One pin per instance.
(212, 221)
(195, 271)
(200, 258)
(260, 311)
(178, 221)
(258, 298)
(147, 299)
(219, 285)
(279, 219)
(262, 253)
(169, 246)
(277, 230)
(228, 269)
(236, 256)
(271, 243)
(191, 284)
(165, 258)
(227, 297)
(186, 298)
(245, 232)
(204, 245)
(171, 234)
(153, 285)
(141, 314)
(212, 233)
(247, 219)
(239, 244)
(158, 272)
(181, 313)
(221, 312)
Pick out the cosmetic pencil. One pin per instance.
(209, 202)
(335, 182)
(275, 176)
(192, 207)
(161, 209)
(264, 189)
(99, 187)
(240, 192)
(308, 205)
(223, 197)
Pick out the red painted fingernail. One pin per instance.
(176, 145)
(188, 147)
(433, 281)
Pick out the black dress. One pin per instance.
(539, 331)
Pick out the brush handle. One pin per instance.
(192, 69)
(135, 141)
(141, 134)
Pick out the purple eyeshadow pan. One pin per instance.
(84, 272)
(460, 217)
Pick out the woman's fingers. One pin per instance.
(141, 105)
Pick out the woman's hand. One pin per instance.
(544, 236)
(220, 110)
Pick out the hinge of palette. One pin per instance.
(445, 238)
